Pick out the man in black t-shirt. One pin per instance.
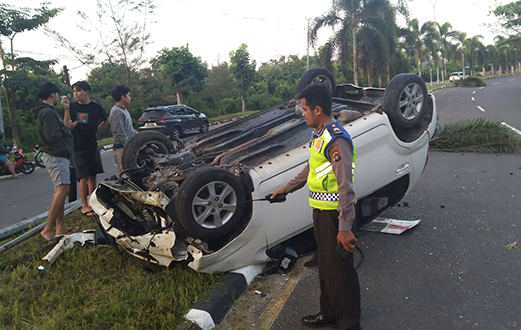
(86, 158)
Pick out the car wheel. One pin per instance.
(210, 205)
(176, 133)
(204, 127)
(27, 167)
(317, 75)
(140, 146)
(405, 99)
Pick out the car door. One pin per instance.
(195, 122)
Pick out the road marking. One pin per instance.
(496, 83)
(274, 307)
(511, 79)
(480, 108)
(511, 127)
(474, 92)
(473, 99)
(481, 87)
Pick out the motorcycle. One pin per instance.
(37, 155)
(21, 163)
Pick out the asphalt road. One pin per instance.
(24, 198)
(454, 270)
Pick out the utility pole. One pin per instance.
(307, 56)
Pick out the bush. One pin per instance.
(470, 82)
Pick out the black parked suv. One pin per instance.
(173, 120)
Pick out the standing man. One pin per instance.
(55, 141)
(120, 122)
(91, 119)
(329, 175)
(4, 160)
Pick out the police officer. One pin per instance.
(329, 176)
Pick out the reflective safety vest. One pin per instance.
(322, 184)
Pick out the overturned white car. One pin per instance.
(197, 202)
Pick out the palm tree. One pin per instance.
(414, 37)
(492, 57)
(445, 33)
(461, 38)
(347, 18)
(476, 50)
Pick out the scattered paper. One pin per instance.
(390, 226)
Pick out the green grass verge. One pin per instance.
(94, 287)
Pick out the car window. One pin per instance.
(190, 111)
(152, 114)
(181, 111)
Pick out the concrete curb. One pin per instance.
(208, 313)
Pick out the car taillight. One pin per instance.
(140, 119)
(163, 117)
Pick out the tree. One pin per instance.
(347, 18)
(183, 71)
(219, 83)
(244, 71)
(445, 33)
(121, 27)
(12, 22)
(509, 16)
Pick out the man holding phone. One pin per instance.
(329, 175)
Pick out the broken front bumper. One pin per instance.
(160, 245)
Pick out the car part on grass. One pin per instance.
(66, 242)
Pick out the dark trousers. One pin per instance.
(339, 286)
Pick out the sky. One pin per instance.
(211, 29)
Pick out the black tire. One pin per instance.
(27, 167)
(137, 149)
(204, 127)
(176, 133)
(405, 100)
(38, 159)
(317, 75)
(210, 205)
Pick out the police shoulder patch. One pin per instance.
(334, 153)
(336, 129)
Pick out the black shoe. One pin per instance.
(317, 320)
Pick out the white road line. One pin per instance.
(511, 79)
(480, 108)
(481, 87)
(473, 99)
(474, 92)
(511, 127)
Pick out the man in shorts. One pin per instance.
(91, 119)
(4, 161)
(120, 122)
(55, 141)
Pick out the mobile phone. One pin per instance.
(341, 252)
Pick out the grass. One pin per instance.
(94, 287)
(476, 135)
